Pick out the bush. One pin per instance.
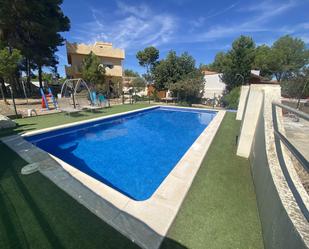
(137, 98)
(230, 100)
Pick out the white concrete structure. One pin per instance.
(214, 86)
(242, 102)
(282, 199)
(249, 120)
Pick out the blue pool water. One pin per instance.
(132, 153)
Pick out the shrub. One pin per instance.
(230, 100)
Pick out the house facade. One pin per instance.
(109, 56)
(214, 87)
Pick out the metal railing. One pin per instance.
(303, 161)
(279, 137)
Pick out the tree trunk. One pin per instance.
(20, 87)
(40, 76)
(13, 99)
(2, 87)
(14, 87)
(28, 73)
(300, 95)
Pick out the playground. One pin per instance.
(75, 95)
(22, 106)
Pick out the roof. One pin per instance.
(207, 72)
(102, 49)
(257, 79)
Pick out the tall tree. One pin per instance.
(289, 55)
(9, 61)
(189, 88)
(264, 60)
(33, 27)
(148, 58)
(239, 62)
(172, 69)
(92, 70)
(221, 61)
(180, 75)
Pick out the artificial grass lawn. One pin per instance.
(44, 121)
(219, 211)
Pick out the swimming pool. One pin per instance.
(132, 153)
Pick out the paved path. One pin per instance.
(298, 134)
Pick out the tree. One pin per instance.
(190, 88)
(289, 55)
(33, 27)
(221, 61)
(130, 73)
(297, 86)
(238, 62)
(172, 69)
(138, 84)
(148, 58)
(180, 75)
(92, 70)
(46, 77)
(9, 61)
(264, 60)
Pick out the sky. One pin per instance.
(201, 28)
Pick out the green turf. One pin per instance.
(219, 211)
(37, 214)
(40, 122)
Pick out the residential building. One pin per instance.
(110, 57)
(214, 86)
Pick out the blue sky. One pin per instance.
(201, 28)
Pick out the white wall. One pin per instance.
(213, 86)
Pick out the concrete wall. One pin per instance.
(242, 102)
(283, 223)
(252, 109)
(214, 86)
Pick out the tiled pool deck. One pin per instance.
(145, 222)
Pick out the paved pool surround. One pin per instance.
(144, 222)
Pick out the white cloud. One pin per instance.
(138, 10)
(260, 15)
(200, 21)
(135, 27)
(224, 10)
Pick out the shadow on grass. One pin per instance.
(94, 111)
(74, 114)
(39, 216)
(10, 229)
(17, 129)
(61, 221)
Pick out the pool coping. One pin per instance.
(144, 222)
